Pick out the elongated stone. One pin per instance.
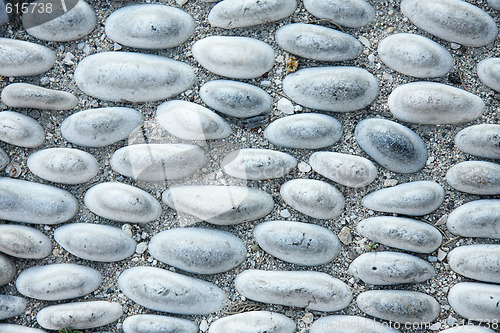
(24, 242)
(299, 243)
(165, 291)
(149, 26)
(119, 76)
(480, 140)
(314, 198)
(399, 306)
(415, 55)
(11, 306)
(303, 289)
(390, 268)
(348, 13)
(475, 301)
(236, 99)
(145, 323)
(158, 162)
(480, 218)
(20, 58)
(122, 202)
(95, 242)
(476, 177)
(79, 315)
(63, 165)
(452, 20)
(469, 329)
(252, 322)
(20, 130)
(191, 121)
(306, 130)
(30, 202)
(479, 262)
(100, 127)
(58, 281)
(414, 198)
(234, 57)
(488, 71)
(317, 42)
(222, 205)
(24, 95)
(13, 328)
(434, 103)
(198, 250)
(401, 233)
(4, 159)
(7, 270)
(349, 324)
(495, 4)
(345, 169)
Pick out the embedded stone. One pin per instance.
(306, 130)
(198, 250)
(24, 95)
(352, 324)
(475, 301)
(158, 162)
(24, 242)
(253, 322)
(236, 99)
(298, 243)
(475, 177)
(29, 202)
(95, 242)
(392, 145)
(11, 306)
(119, 76)
(469, 329)
(149, 26)
(304, 289)
(221, 205)
(480, 218)
(58, 281)
(414, 198)
(336, 89)
(452, 20)
(479, 262)
(7, 270)
(401, 233)
(234, 57)
(488, 71)
(316, 42)
(145, 323)
(161, 290)
(314, 198)
(100, 127)
(4, 159)
(122, 202)
(434, 103)
(348, 13)
(13, 328)
(20, 130)
(480, 140)
(191, 121)
(495, 4)
(20, 58)
(63, 165)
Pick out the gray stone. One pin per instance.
(80, 315)
(314, 198)
(161, 290)
(468, 329)
(24, 95)
(317, 42)
(221, 205)
(401, 233)
(122, 202)
(63, 165)
(149, 26)
(58, 281)
(13, 328)
(475, 301)
(236, 99)
(298, 243)
(95, 242)
(4, 159)
(20, 130)
(349, 324)
(198, 250)
(24, 242)
(100, 127)
(4, 17)
(399, 306)
(29, 202)
(476, 177)
(120, 76)
(348, 13)
(434, 103)
(11, 306)
(20, 58)
(158, 162)
(306, 131)
(234, 57)
(415, 55)
(480, 218)
(452, 20)
(414, 198)
(7, 270)
(191, 121)
(253, 322)
(348, 170)
(479, 262)
(336, 89)
(495, 4)
(488, 71)
(147, 323)
(480, 140)
(304, 289)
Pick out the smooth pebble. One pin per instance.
(475, 177)
(349, 324)
(479, 262)
(11, 306)
(7, 270)
(20, 130)
(348, 13)
(488, 71)
(475, 301)
(24, 95)
(480, 218)
(147, 323)
(495, 4)
(24, 242)
(20, 58)
(481, 140)
(253, 322)
(13, 328)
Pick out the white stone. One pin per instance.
(488, 71)
(480, 140)
(475, 177)
(495, 4)
(352, 324)
(11, 306)
(480, 218)
(24, 95)
(348, 13)
(285, 106)
(24, 242)
(479, 262)
(20, 130)
(475, 301)
(7, 270)
(20, 58)
(304, 167)
(253, 322)
(147, 323)
(13, 328)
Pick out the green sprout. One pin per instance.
(68, 330)
(371, 246)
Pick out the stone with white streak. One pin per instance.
(24, 95)
(475, 177)
(20, 130)
(24, 242)
(147, 323)
(253, 322)
(348, 13)
(20, 58)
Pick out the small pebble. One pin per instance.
(475, 177)
(24, 95)
(303, 167)
(20, 130)
(254, 322)
(285, 106)
(345, 236)
(348, 13)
